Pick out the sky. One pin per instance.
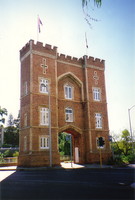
(110, 37)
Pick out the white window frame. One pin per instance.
(68, 114)
(44, 142)
(98, 120)
(96, 94)
(43, 86)
(68, 91)
(44, 116)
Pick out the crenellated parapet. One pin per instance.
(38, 47)
(69, 59)
(94, 61)
(52, 50)
(73, 60)
(25, 48)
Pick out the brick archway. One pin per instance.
(77, 150)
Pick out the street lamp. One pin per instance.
(131, 127)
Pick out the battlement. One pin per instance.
(95, 61)
(38, 47)
(90, 60)
(25, 49)
(47, 48)
(67, 58)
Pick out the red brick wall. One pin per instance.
(61, 70)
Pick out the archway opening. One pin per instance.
(65, 146)
(69, 143)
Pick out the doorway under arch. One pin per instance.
(70, 142)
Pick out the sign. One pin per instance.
(68, 137)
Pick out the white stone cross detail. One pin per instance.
(44, 66)
(96, 77)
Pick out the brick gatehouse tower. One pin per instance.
(61, 94)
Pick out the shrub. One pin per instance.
(128, 159)
(16, 154)
(1, 158)
(8, 153)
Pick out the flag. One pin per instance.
(86, 40)
(39, 23)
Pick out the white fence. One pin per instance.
(8, 161)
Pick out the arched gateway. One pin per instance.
(60, 93)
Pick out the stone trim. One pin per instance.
(66, 127)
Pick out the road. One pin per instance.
(95, 184)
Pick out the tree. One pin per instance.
(17, 121)
(64, 144)
(87, 16)
(96, 2)
(3, 111)
(11, 133)
(122, 149)
(10, 120)
(125, 142)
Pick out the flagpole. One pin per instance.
(86, 44)
(37, 28)
(39, 22)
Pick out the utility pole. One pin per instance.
(131, 127)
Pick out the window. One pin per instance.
(43, 88)
(25, 119)
(44, 142)
(96, 94)
(98, 120)
(69, 114)
(68, 91)
(25, 88)
(44, 116)
(25, 143)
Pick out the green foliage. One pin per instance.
(7, 145)
(11, 152)
(64, 145)
(122, 149)
(11, 133)
(3, 111)
(1, 158)
(116, 149)
(128, 159)
(11, 136)
(16, 154)
(125, 142)
(96, 2)
(8, 153)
